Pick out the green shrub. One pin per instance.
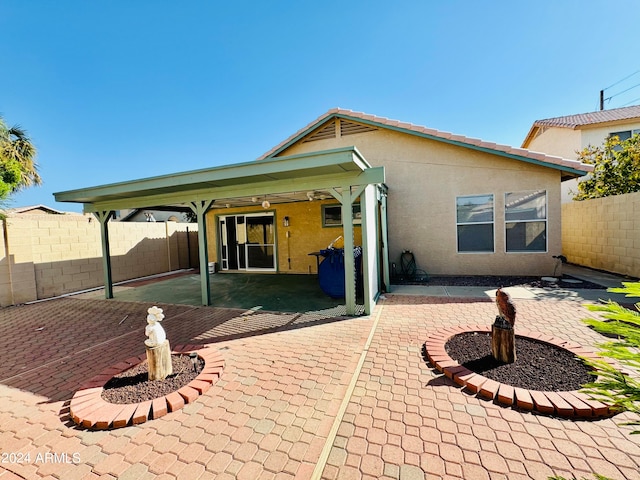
(612, 386)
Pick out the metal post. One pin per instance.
(200, 208)
(104, 217)
(346, 198)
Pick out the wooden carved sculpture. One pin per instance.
(503, 343)
(506, 308)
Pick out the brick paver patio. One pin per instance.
(301, 396)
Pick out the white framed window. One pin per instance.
(624, 134)
(525, 216)
(332, 215)
(475, 223)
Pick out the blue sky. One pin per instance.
(117, 90)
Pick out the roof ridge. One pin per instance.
(438, 134)
(591, 118)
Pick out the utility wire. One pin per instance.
(632, 101)
(620, 81)
(623, 91)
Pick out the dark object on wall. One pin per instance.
(409, 272)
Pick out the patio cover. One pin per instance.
(343, 172)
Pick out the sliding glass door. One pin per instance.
(247, 242)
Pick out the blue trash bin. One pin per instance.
(331, 271)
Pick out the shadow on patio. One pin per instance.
(248, 291)
(52, 347)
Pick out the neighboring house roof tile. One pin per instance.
(552, 161)
(35, 208)
(592, 118)
(575, 122)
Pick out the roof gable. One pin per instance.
(325, 127)
(577, 121)
(37, 209)
(332, 126)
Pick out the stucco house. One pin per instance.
(461, 205)
(34, 210)
(568, 135)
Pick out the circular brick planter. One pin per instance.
(564, 404)
(90, 410)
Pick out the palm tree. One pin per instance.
(16, 149)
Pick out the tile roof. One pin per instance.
(591, 118)
(551, 161)
(31, 208)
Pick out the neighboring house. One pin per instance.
(34, 209)
(461, 205)
(567, 136)
(149, 215)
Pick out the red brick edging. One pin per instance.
(565, 404)
(90, 410)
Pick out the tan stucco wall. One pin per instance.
(425, 176)
(306, 233)
(604, 233)
(47, 255)
(563, 142)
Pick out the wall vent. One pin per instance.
(326, 131)
(350, 128)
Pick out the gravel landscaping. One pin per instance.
(133, 386)
(538, 365)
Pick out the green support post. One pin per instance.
(346, 197)
(104, 217)
(200, 208)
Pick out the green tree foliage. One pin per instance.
(612, 386)
(18, 168)
(616, 168)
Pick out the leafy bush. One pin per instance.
(612, 386)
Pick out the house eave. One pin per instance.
(451, 140)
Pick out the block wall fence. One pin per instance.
(43, 256)
(603, 233)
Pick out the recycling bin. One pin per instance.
(331, 271)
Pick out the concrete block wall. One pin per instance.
(5, 272)
(17, 258)
(603, 233)
(42, 256)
